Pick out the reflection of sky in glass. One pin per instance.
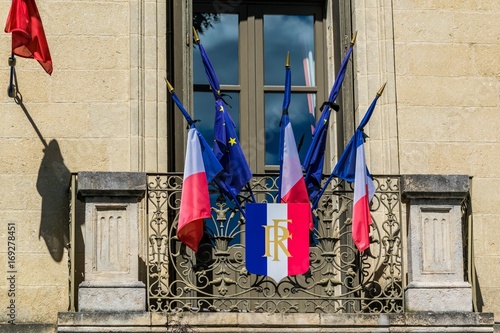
(204, 110)
(221, 43)
(294, 33)
(300, 118)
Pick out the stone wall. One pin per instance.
(439, 112)
(82, 115)
(92, 114)
(447, 66)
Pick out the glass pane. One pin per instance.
(204, 111)
(294, 33)
(220, 40)
(302, 122)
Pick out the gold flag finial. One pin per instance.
(287, 63)
(195, 36)
(353, 40)
(381, 90)
(169, 86)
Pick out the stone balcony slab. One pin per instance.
(227, 322)
(111, 183)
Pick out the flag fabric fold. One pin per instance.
(195, 199)
(364, 189)
(28, 35)
(200, 168)
(228, 151)
(292, 186)
(345, 167)
(315, 157)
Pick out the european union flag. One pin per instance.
(228, 151)
(226, 147)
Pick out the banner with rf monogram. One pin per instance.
(277, 239)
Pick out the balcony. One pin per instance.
(343, 289)
(340, 280)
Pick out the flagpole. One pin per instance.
(360, 127)
(284, 113)
(11, 89)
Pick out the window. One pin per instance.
(247, 45)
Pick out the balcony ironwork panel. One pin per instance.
(340, 279)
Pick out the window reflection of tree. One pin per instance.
(203, 21)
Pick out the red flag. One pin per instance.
(28, 37)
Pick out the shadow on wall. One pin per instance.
(52, 185)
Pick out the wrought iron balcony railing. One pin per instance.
(340, 279)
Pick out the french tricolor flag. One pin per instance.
(195, 200)
(277, 239)
(293, 186)
(364, 191)
(351, 167)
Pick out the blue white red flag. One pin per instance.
(363, 194)
(277, 239)
(195, 200)
(292, 186)
(351, 167)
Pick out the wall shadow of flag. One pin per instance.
(52, 185)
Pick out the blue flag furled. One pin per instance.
(285, 120)
(226, 147)
(314, 161)
(346, 165)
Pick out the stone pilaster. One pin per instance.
(435, 252)
(111, 241)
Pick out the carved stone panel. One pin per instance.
(436, 241)
(111, 239)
